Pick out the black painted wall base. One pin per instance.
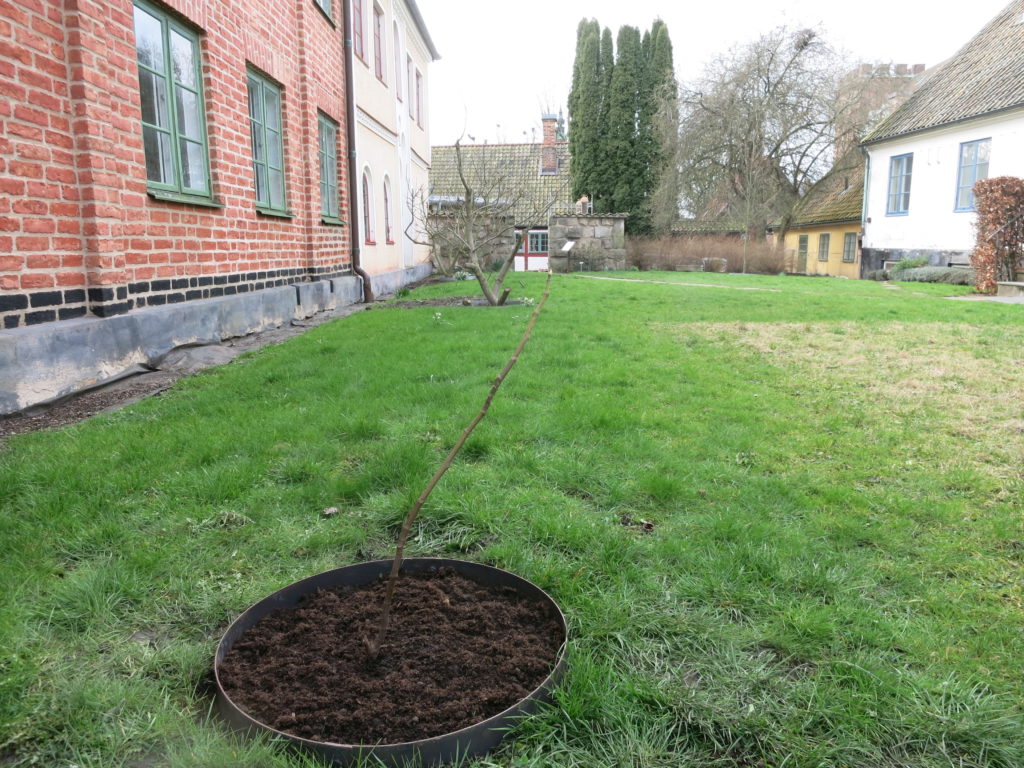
(876, 258)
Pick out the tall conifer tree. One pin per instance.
(623, 166)
(604, 181)
(585, 109)
(618, 110)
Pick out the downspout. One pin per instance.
(350, 132)
(864, 205)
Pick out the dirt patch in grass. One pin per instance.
(458, 653)
(970, 377)
(442, 301)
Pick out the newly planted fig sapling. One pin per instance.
(374, 643)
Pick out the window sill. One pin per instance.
(332, 221)
(369, 242)
(276, 213)
(389, 242)
(382, 81)
(177, 197)
(325, 14)
(897, 213)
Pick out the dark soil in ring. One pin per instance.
(457, 653)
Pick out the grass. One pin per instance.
(832, 470)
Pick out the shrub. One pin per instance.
(951, 275)
(690, 253)
(878, 274)
(1000, 231)
(904, 264)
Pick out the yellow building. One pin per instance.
(824, 237)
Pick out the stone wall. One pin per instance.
(600, 242)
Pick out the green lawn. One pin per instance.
(833, 471)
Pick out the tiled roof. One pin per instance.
(985, 76)
(708, 227)
(518, 165)
(837, 197)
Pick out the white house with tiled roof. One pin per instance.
(964, 123)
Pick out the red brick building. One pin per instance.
(160, 152)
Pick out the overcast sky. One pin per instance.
(503, 62)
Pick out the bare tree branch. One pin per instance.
(475, 224)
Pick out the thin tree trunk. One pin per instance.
(373, 645)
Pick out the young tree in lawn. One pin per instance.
(477, 223)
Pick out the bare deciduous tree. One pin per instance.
(759, 128)
(476, 223)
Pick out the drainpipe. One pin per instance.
(864, 204)
(350, 131)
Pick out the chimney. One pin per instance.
(548, 153)
(918, 69)
(902, 70)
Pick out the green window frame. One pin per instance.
(823, 245)
(325, 6)
(974, 157)
(850, 247)
(538, 241)
(802, 246)
(266, 135)
(327, 131)
(173, 113)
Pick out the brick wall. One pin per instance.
(79, 231)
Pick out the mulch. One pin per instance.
(456, 654)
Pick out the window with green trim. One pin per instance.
(325, 6)
(267, 142)
(328, 131)
(823, 247)
(850, 247)
(173, 118)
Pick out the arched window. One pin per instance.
(368, 237)
(388, 236)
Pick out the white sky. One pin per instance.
(504, 62)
